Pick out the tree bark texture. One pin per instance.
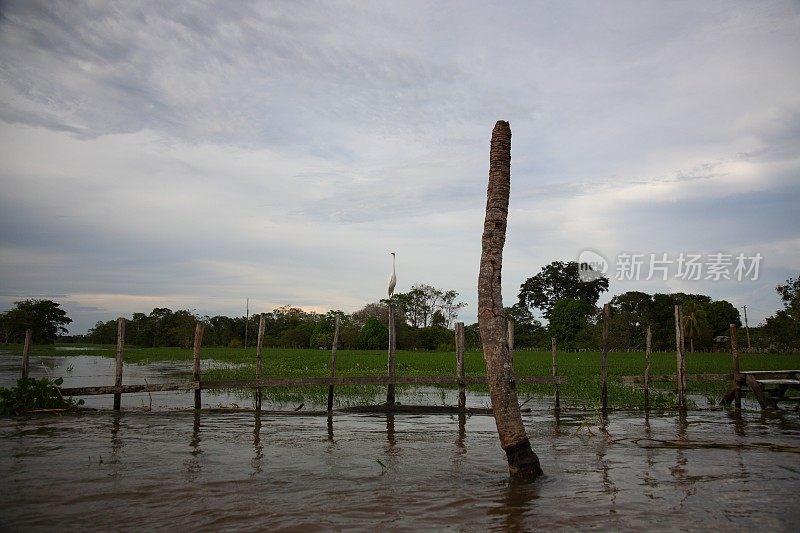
(522, 461)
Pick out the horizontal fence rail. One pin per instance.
(304, 382)
(674, 377)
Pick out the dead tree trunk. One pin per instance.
(522, 461)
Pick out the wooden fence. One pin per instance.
(739, 379)
(197, 384)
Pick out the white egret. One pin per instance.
(392, 278)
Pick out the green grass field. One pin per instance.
(581, 369)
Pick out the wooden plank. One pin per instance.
(26, 352)
(198, 341)
(152, 387)
(604, 360)
(460, 372)
(770, 374)
(120, 356)
(673, 377)
(333, 361)
(301, 382)
(765, 401)
(375, 380)
(790, 382)
(259, 361)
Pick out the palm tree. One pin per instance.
(523, 463)
(693, 321)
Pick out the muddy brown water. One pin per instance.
(204, 470)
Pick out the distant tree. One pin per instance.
(720, 314)
(374, 335)
(694, 321)
(570, 322)
(528, 331)
(782, 330)
(790, 295)
(104, 332)
(557, 281)
(449, 307)
(631, 313)
(44, 317)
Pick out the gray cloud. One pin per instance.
(199, 153)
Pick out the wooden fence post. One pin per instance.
(333, 361)
(604, 361)
(259, 364)
(648, 344)
(462, 390)
(392, 370)
(26, 352)
(198, 341)
(737, 396)
(555, 372)
(120, 356)
(680, 364)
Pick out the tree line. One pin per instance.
(425, 317)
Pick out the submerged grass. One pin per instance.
(582, 371)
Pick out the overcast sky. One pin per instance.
(192, 155)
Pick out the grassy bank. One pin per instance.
(581, 369)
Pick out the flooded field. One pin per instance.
(166, 469)
(134, 471)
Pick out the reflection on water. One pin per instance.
(254, 470)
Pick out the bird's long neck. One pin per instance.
(393, 258)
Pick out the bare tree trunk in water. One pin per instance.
(522, 461)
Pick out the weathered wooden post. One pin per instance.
(555, 372)
(522, 461)
(737, 395)
(120, 356)
(333, 361)
(604, 360)
(462, 390)
(198, 341)
(648, 343)
(680, 365)
(259, 359)
(26, 352)
(392, 370)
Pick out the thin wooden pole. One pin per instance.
(246, 321)
(198, 341)
(555, 372)
(648, 344)
(462, 389)
(333, 361)
(737, 396)
(680, 363)
(392, 370)
(604, 361)
(26, 352)
(120, 356)
(259, 364)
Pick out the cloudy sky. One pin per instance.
(194, 154)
